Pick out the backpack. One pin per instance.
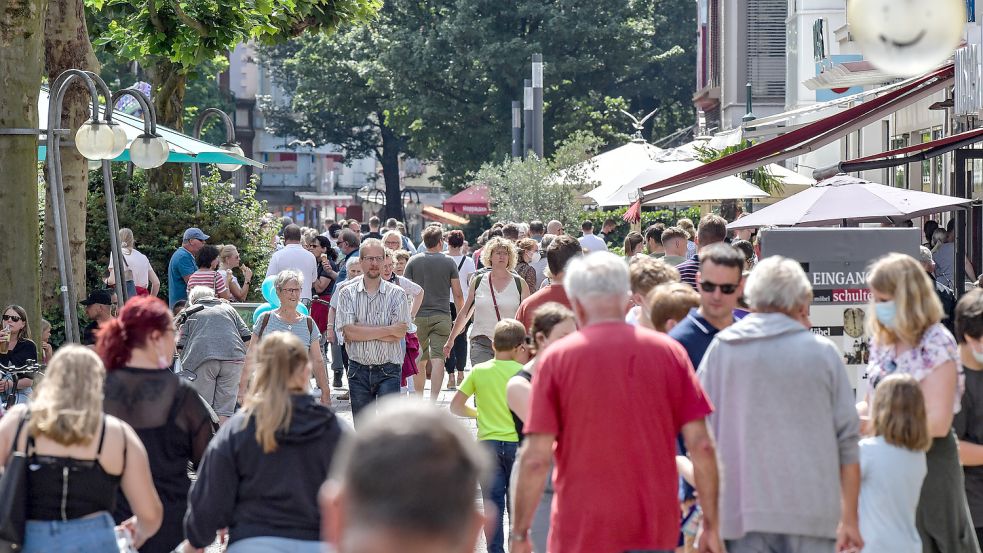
(266, 320)
(476, 279)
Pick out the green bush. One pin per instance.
(667, 217)
(159, 219)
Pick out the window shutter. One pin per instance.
(766, 48)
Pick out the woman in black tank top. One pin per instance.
(78, 459)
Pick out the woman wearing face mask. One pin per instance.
(908, 337)
(167, 414)
(550, 322)
(528, 256)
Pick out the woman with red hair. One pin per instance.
(170, 418)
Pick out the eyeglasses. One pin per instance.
(290, 290)
(12, 318)
(711, 287)
(374, 259)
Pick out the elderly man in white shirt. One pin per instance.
(296, 257)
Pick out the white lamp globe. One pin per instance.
(906, 38)
(120, 141)
(234, 149)
(94, 140)
(148, 151)
(94, 164)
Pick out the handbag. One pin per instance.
(13, 495)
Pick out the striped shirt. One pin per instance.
(208, 279)
(688, 269)
(386, 307)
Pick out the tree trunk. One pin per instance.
(169, 82)
(390, 173)
(21, 52)
(67, 46)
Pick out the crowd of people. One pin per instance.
(670, 398)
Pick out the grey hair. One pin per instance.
(126, 240)
(410, 457)
(199, 294)
(777, 284)
(925, 256)
(351, 261)
(599, 274)
(285, 276)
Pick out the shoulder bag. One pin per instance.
(13, 495)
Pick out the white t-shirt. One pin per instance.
(592, 243)
(890, 486)
(294, 256)
(463, 273)
(139, 264)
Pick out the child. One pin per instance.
(46, 350)
(892, 467)
(669, 303)
(644, 274)
(496, 429)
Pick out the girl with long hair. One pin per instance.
(907, 337)
(281, 430)
(171, 419)
(79, 460)
(19, 350)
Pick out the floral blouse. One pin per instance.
(936, 347)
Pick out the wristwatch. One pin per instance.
(519, 536)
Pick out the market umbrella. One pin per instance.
(614, 168)
(787, 176)
(842, 198)
(472, 201)
(183, 148)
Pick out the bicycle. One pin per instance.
(11, 374)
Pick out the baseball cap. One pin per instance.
(194, 233)
(103, 297)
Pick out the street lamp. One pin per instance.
(229, 145)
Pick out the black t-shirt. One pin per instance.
(322, 273)
(89, 334)
(968, 425)
(375, 235)
(24, 351)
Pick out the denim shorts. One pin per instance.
(92, 534)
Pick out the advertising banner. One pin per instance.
(836, 262)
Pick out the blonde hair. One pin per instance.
(509, 334)
(688, 227)
(279, 356)
(67, 404)
(126, 241)
(670, 302)
(499, 243)
(645, 273)
(225, 252)
(918, 307)
(898, 413)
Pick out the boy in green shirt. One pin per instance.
(496, 429)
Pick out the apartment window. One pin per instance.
(900, 173)
(716, 29)
(766, 35)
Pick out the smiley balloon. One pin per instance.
(906, 37)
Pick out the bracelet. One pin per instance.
(519, 537)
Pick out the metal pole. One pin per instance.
(961, 191)
(516, 130)
(526, 118)
(537, 104)
(230, 137)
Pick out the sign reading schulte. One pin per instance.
(836, 261)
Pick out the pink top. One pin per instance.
(935, 348)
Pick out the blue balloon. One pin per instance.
(269, 291)
(302, 309)
(260, 310)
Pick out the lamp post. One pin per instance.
(516, 130)
(230, 145)
(96, 140)
(527, 114)
(537, 104)
(748, 117)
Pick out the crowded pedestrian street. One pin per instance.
(458, 276)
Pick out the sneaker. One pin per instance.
(451, 382)
(337, 381)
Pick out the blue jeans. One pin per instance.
(93, 534)
(503, 457)
(270, 544)
(367, 383)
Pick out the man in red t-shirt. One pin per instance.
(560, 251)
(615, 479)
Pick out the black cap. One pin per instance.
(103, 297)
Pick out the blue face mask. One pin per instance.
(886, 311)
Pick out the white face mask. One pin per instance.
(976, 354)
(534, 257)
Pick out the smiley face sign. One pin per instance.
(906, 37)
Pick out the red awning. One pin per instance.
(923, 146)
(470, 201)
(803, 139)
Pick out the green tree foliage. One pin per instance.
(760, 177)
(441, 74)
(171, 38)
(667, 217)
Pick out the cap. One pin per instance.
(101, 297)
(194, 233)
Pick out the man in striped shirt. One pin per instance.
(373, 316)
(713, 230)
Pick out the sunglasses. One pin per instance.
(12, 318)
(711, 287)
